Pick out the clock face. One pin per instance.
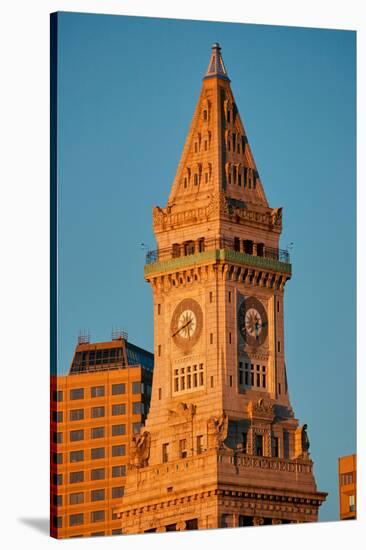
(253, 322)
(186, 324)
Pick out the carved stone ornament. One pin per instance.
(262, 409)
(217, 430)
(140, 449)
(184, 412)
(276, 216)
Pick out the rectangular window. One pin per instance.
(97, 494)
(76, 456)
(199, 444)
(57, 437)
(159, 350)
(119, 471)
(275, 447)
(116, 531)
(76, 498)
(97, 412)
(259, 445)
(57, 500)
(278, 306)
(98, 432)
(211, 297)
(231, 381)
(244, 436)
(237, 244)
(118, 450)
(159, 309)
(160, 394)
(352, 503)
(57, 479)
(57, 458)
(57, 521)
(118, 492)
(97, 391)
(136, 387)
(97, 515)
(212, 381)
(211, 338)
(77, 393)
(77, 414)
(229, 337)
(58, 395)
(278, 346)
(165, 452)
(118, 389)
(76, 519)
(137, 408)
(76, 477)
(99, 452)
(76, 435)
(97, 474)
(119, 429)
(57, 416)
(183, 448)
(118, 408)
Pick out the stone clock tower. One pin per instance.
(221, 446)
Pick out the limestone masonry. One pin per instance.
(221, 446)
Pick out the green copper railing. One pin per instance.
(215, 255)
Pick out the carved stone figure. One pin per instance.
(305, 443)
(217, 430)
(140, 449)
(183, 412)
(276, 216)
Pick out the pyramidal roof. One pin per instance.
(216, 156)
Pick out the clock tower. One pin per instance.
(221, 446)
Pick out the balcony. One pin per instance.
(192, 253)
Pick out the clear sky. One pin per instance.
(127, 91)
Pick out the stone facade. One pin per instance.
(221, 446)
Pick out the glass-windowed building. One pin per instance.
(95, 410)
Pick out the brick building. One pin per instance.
(95, 410)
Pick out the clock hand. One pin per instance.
(180, 328)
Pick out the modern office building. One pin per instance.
(221, 446)
(347, 469)
(95, 410)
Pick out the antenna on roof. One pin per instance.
(119, 334)
(84, 337)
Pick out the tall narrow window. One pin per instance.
(205, 114)
(212, 381)
(275, 447)
(199, 444)
(201, 245)
(229, 297)
(211, 297)
(278, 306)
(244, 436)
(259, 445)
(165, 452)
(196, 179)
(230, 381)
(159, 309)
(229, 337)
(211, 338)
(183, 448)
(278, 346)
(160, 393)
(159, 350)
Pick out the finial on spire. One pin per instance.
(216, 65)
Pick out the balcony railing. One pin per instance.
(189, 248)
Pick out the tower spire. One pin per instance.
(216, 65)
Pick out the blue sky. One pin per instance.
(127, 91)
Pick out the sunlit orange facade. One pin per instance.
(347, 469)
(95, 409)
